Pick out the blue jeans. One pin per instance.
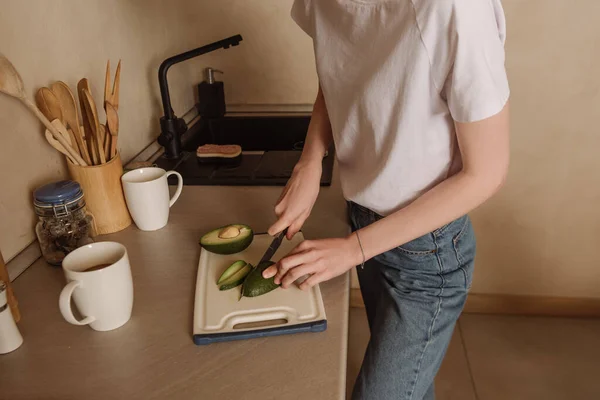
(413, 296)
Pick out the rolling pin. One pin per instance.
(12, 300)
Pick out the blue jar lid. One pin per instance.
(60, 192)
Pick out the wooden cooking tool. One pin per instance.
(55, 143)
(87, 129)
(112, 96)
(12, 300)
(105, 141)
(112, 121)
(71, 116)
(60, 127)
(49, 104)
(103, 194)
(92, 116)
(12, 85)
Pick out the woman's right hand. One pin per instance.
(298, 198)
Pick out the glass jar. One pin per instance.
(64, 224)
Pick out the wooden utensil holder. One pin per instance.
(103, 193)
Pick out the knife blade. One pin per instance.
(274, 246)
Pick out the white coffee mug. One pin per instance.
(147, 195)
(99, 281)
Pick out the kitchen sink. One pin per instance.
(272, 145)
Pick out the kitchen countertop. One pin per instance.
(153, 356)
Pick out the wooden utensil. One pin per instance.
(12, 300)
(112, 96)
(49, 104)
(71, 116)
(92, 116)
(12, 85)
(56, 144)
(112, 121)
(105, 141)
(87, 129)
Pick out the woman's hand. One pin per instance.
(322, 260)
(298, 197)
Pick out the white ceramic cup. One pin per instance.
(147, 195)
(104, 297)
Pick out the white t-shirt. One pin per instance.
(395, 75)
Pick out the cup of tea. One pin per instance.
(99, 282)
(147, 196)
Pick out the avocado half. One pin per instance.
(229, 239)
(255, 285)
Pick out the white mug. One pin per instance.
(147, 195)
(104, 296)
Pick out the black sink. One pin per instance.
(271, 147)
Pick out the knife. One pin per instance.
(274, 246)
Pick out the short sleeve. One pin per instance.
(476, 86)
(302, 16)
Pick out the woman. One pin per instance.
(414, 95)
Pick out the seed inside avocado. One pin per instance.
(229, 232)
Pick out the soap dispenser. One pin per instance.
(211, 96)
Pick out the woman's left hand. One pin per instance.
(320, 259)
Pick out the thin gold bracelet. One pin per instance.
(362, 266)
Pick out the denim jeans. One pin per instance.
(413, 296)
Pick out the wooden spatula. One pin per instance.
(112, 121)
(71, 116)
(49, 104)
(85, 122)
(92, 116)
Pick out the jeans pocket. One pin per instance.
(464, 245)
(422, 246)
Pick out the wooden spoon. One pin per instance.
(87, 129)
(12, 85)
(112, 121)
(49, 104)
(71, 116)
(92, 116)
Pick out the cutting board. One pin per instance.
(221, 316)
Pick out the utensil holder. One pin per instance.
(103, 194)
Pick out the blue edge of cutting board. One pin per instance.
(316, 326)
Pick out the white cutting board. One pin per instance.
(218, 312)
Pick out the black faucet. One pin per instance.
(172, 127)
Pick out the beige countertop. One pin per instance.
(153, 355)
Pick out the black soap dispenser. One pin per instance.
(211, 96)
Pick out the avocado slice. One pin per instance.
(229, 239)
(231, 270)
(237, 278)
(255, 284)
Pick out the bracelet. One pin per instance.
(362, 266)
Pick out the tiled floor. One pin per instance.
(508, 358)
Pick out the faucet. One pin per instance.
(171, 126)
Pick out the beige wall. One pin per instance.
(67, 40)
(538, 236)
(541, 234)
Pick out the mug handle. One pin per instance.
(179, 187)
(64, 303)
